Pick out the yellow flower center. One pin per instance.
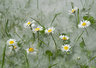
(14, 47)
(31, 49)
(37, 29)
(29, 23)
(50, 30)
(73, 10)
(64, 38)
(83, 24)
(11, 42)
(66, 47)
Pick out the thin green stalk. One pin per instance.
(72, 4)
(53, 65)
(86, 31)
(43, 42)
(79, 36)
(38, 22)
(33, 34)
(28, 4)
(54, 41)
(55, 17)
(76, 21)
(49, 60)
(19, 36)
(37, 4)
(92, 58)
(85, 3)
(26, 60)
(38, 36)
(82, 3)
(78, 16)
(3, 58)
(6, 29)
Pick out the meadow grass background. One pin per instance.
(14, 13)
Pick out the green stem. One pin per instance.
(79, 36)
(78, 17)
(76, 21)
(37, 4)
(33, 34)
(55, 17)
(38, 22)
(38, 36)
(86, 31)
(19, 36)
(54, 41)
(72, 4)
(33, 37)
(82, 3)
(3, 58)
(26, 60)
(43, 42)
(49, 61)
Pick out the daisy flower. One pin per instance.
(50, 30)
(31, 51)
(11, 42)
(65, 47)
(15, 47)
(64, 37)
(73, 10)
(29, 24)
(84, 24)
(38, 28)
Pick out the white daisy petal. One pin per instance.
(11, 42)
(64, 37)
(31, 51)
(65, 47)
(38, 28)
(29, 24)
(50, 30)
(84, 24)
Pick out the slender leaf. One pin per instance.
(3, 58)
(82, 44)
(93, 58)
(55, 17)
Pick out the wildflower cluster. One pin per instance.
(40, 31)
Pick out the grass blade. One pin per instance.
(54, 41)
(55, 17)
(43, 42)
(37, 4)
(92, 58)
(3, 58)
(38, 22)
(78, 16)
(25, 54)
(79, 36)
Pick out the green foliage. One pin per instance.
(89, 18)
(82, 43)
(52, 65)
(93, 58)
(3, 56)
(84, 66)
(49, 53)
